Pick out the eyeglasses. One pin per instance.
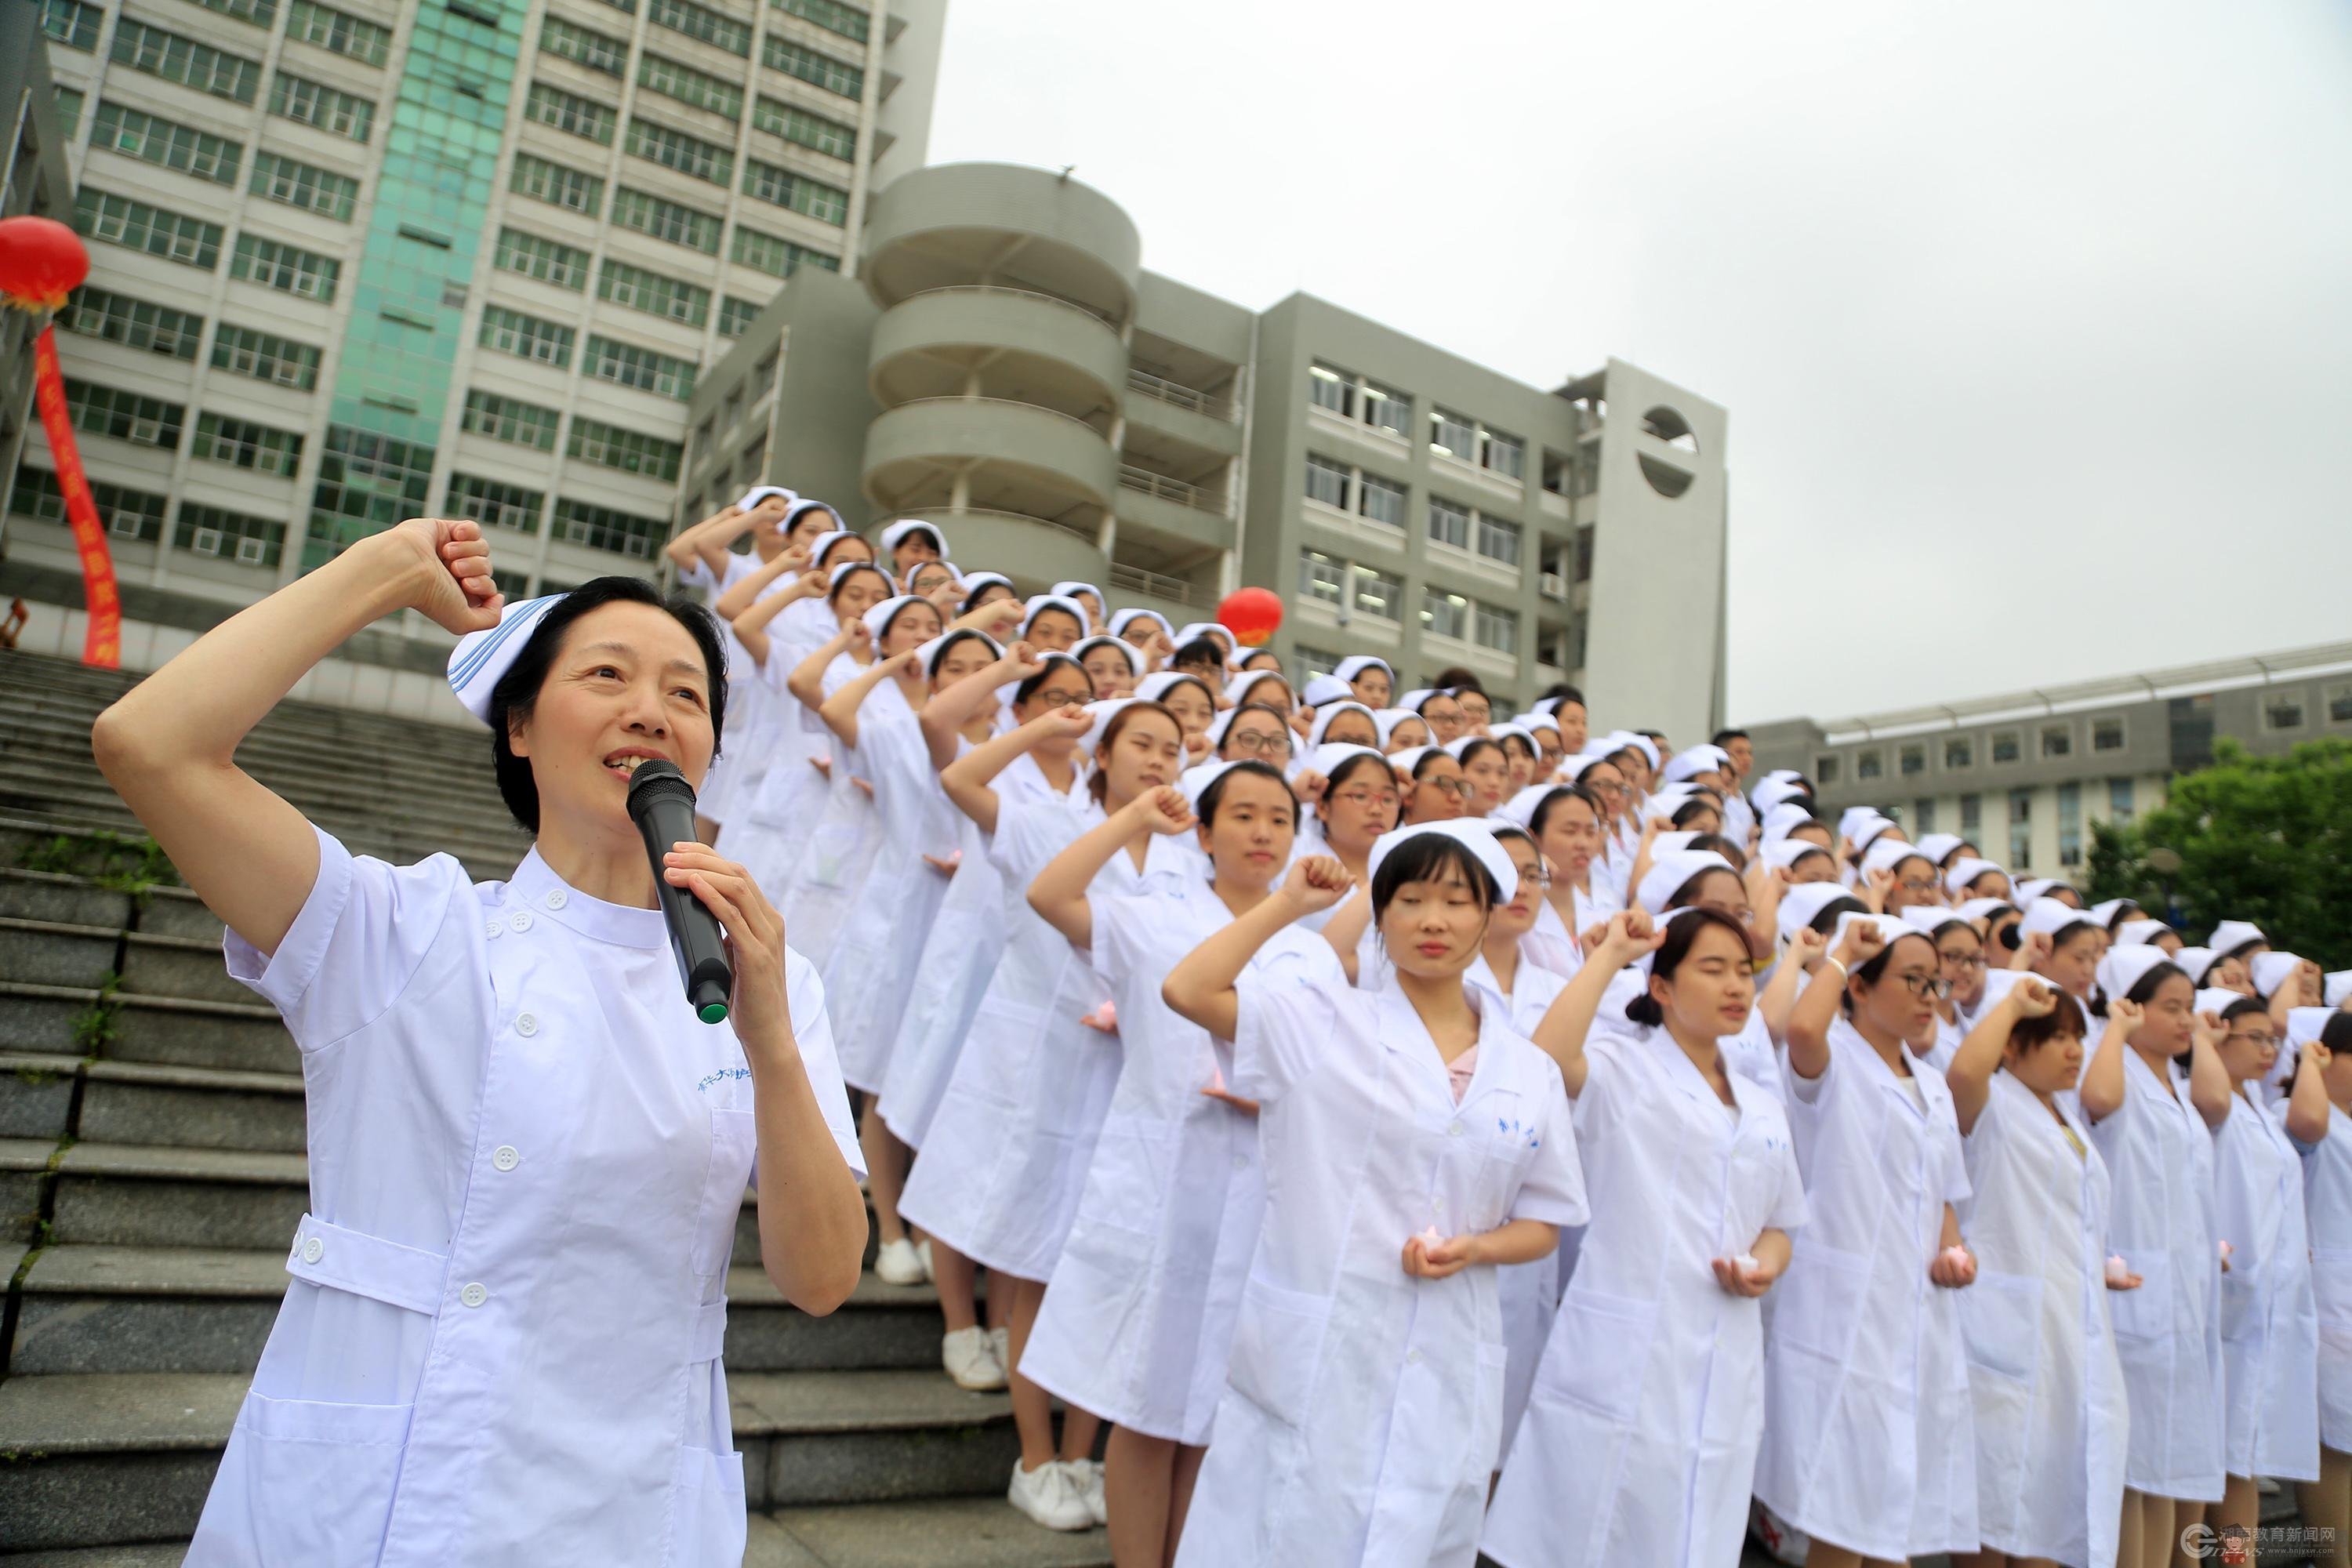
(1615, 791)
(1924, 985)
(1917, 887)
(1449, 786)
(2260, 1042)
(1258, 745)
(1537, 878)
(1972, 960)
(1386, 800)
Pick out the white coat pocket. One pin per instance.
(303, 1483)
(710, 1523)
(1600, 1347)
(734, 1139)
(1821, 1300)
(2241, 1294)
(2146, 1313)
(1277, 1347)
(1487, 1425)
(2331, 1285)
(2001, 1316)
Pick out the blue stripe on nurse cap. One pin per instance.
(481, 658)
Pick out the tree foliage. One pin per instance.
(2267, 839)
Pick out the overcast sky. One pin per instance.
(2034, 321)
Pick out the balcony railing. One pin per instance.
(1131, 478)
(1203, 402)
(1136, 580)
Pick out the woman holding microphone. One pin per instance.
(491, 1069)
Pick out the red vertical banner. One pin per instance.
(102, 644)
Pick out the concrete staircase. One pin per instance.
(151, 1171)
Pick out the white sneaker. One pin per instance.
(1044, 1494)
(1002, 1340)
(897, 1263)
(970, 1360)
(924, 1252)
(1086, 1480)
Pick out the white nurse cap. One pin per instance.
(1472, 835)
(481, 658)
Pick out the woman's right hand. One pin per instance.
(1164, 811)
(1631, 934)
(1318, 882)
(454, 587)
(1862, 941)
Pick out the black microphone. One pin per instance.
(661, 802)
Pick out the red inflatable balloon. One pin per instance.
(1252, 614)
(41, 262)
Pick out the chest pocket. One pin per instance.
(734, 1140)
(1499, 1124)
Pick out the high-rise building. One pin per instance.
(363, 261)
(34, 181)
(1005, 365)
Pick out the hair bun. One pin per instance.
(1644, 1010)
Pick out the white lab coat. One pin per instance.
(1747, 1050)
(770, 821)
(2327, 1211)
(2270, 1323)
(1528, 1292)
(733, 774)
(873, 961)
(2167, 1332)
(2051, 1416)
(965, 945)
(1008, 1152)
(1868, 1442)
(1139, 1316)
(1640, 1442)
(501, 1340)
(1364, 1408)
(837, 849)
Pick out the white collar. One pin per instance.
(535, 886)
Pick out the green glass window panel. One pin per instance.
(315, 104)
(602, 528)
(511, 419)
(817, 70)
(735, 315)
(126, 513)
(569, 112)
(136, 226)
(492, 503)
(72, 24)
(630, 451)
(530, 337)
(274, 265)
(232, 535)
(701, 22)
(653, 293)
(658, 73)
(674, 150)
(159, 140)
(139, 323)
(626, 365)
(367, 482)
(849, 21)
(338, 32)
(244, 444)
(184, 60)
(124, 415)
(812, 131)
(597, 51)
(69, 104)
(827, 203)
(549, 260)
(260, 13)
(304, 185)
(575, 190)
(242, 351)
(777, 258)
(649, 213)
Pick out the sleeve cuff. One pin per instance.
(282, 977)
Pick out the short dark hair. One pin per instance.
(2143, 990)
(517, 691)
(1051, 661)
(1725, 737)
(1200, 650)
(1559, 693)
(2337, 1033)
(1874, 971)
(1504, 740)
(1825, 919)
(1558, 793)
(2028, 1033)
(1215, 795)
(1724, 847)
(1098, 785)
(1425, 857)
(1472, 749)
(1681, 935)
(842, 581)
(1454, 677)
(1690, 808)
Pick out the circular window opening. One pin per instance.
(1667, 480)
(1672, 428)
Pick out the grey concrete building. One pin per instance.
(366, 260)
(1005, 365)
(2022, 775)
(34, 181)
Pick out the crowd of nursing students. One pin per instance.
(1414, 1133)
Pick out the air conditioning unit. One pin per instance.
(1554, 585)
(252, 551)
(207, 542)
(124, 524)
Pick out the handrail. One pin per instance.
(1136, 580)
(996, 402)
(946, 518)
(1207, 404)
(1131, 478)
(1086, 311)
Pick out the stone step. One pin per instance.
(62, 740)
(247, 1036)
(208, 1309)
(37, 674)
(23, 1166)
(107, 1458)
(153, 1103)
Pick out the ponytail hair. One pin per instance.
(1098, 782)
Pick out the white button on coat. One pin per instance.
(521, 922)
(389, 1425)
(526, 1024)
(474, 1295)
(313, 1250)
(506, 1157)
